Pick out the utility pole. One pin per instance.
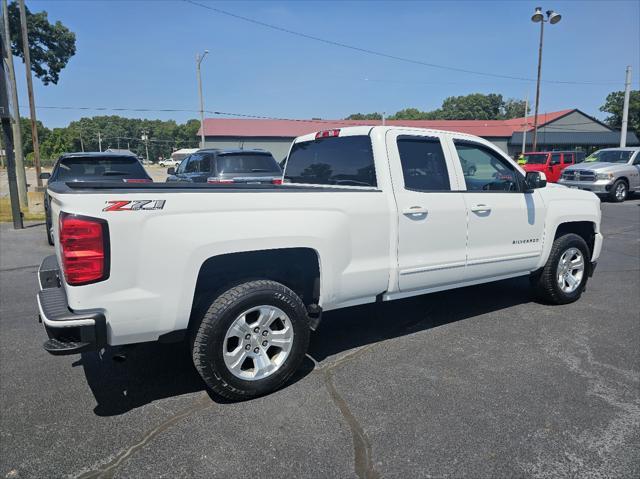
(625, 108)
(99, 142)
(7, 134)
(145, 138)
(17, 132)
(526, 123)
(199, 59)
(32, 104)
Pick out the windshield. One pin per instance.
(247, 163)
(536, 158)
(610, 156)
(70, 169)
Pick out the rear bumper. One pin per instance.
(70, 332)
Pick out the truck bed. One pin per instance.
(109, 187)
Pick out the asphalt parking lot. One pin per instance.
(478, 382)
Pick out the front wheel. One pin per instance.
(619, 191)
(251, 339)
(564, 277)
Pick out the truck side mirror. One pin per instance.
(535, 180)
(171, 171)
(45, 175)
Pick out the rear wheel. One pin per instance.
(251, 339)
(564, 277)
(619, 191)
(49, 233)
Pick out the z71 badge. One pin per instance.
(144, 205)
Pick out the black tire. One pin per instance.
(613, 195)
(544, 282)
(208, 337)
(49, 236)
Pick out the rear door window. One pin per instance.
(345, 161)
(555, 158)
(199, 163)
(424, 167)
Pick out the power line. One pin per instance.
(319, 121)
(382, 54)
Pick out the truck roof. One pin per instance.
(622, 148)
(367, 130)
(229, 151)
(96, 155)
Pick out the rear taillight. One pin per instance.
(276, 181)
(327, 133)
(137, 180)
(218, 181)
(84, 244)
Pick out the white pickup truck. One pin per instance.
(244, 272)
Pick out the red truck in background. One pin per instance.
(551, 163)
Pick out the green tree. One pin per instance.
(413, 114)
(614, 104)
(364, 116)
(472, 107)
(476, 106)
(57, 142)
(27, 143)
(50, 45)
(513, 108)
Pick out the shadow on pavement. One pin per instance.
(156, 371)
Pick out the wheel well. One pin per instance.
(585, 229)
(624, 178)
(296, 268)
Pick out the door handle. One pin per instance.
(480, 208)
(415, 211)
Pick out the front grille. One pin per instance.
(579, 175)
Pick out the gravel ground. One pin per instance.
(477, 382)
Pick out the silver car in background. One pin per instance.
(610, 172)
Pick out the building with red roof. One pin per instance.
(560, 130)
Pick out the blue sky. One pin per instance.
(140, 54)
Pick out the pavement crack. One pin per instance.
(18, 268)
(363, 463)
(107, 471)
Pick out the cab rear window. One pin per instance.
(344, 161)
(247, 163)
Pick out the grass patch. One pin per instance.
(5, 212)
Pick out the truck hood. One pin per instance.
(598, 166)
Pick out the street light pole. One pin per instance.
(538, 17)
(199, 59)
(535, 114)
(625, 108)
